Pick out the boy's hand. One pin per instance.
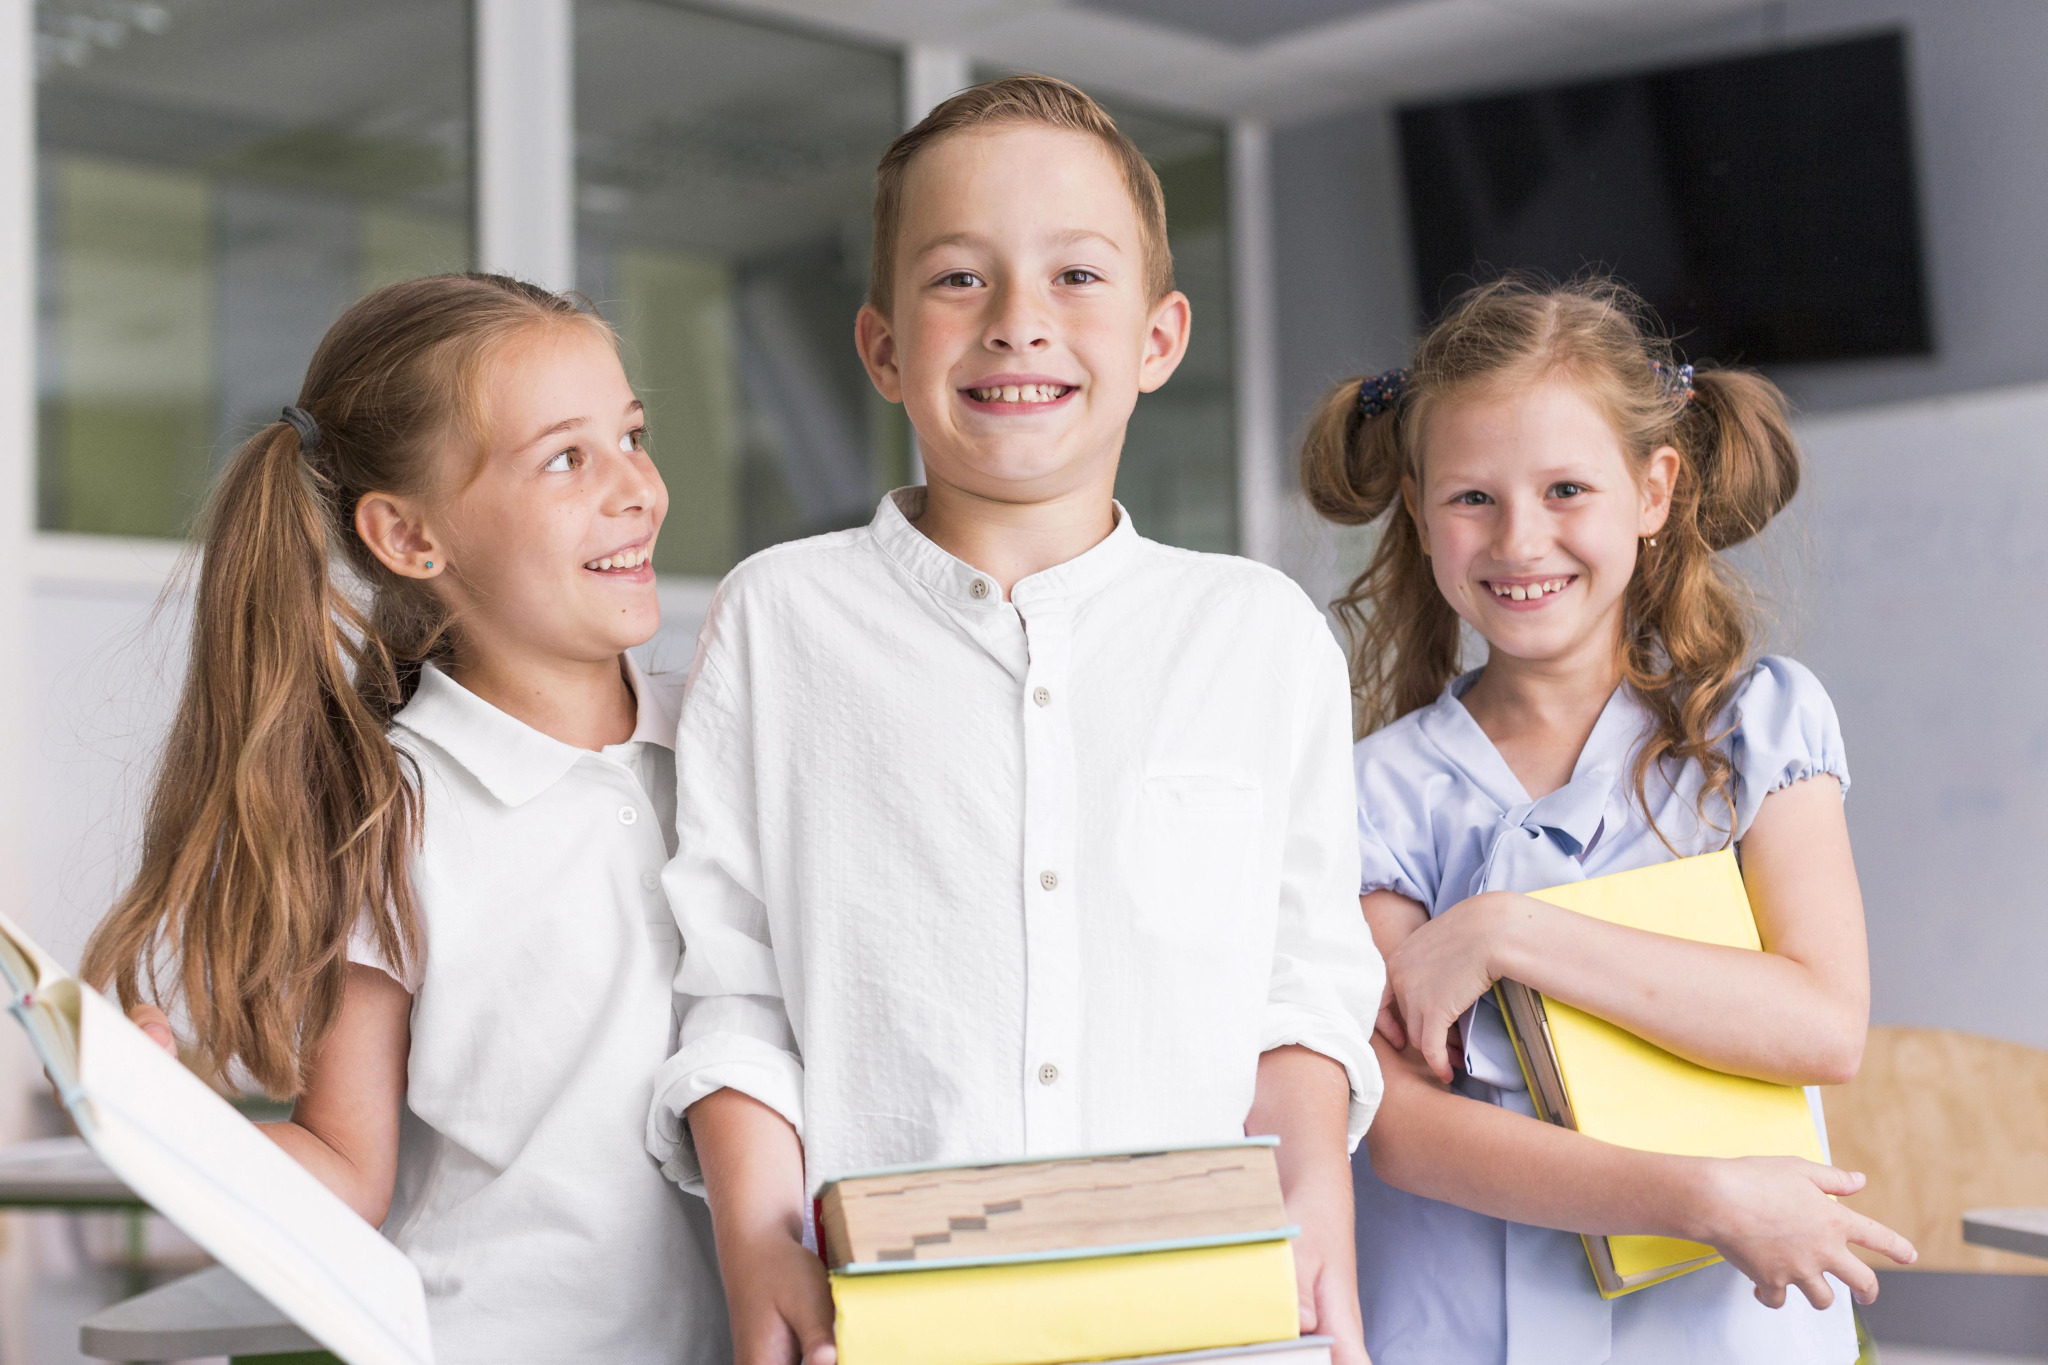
(779, 1302)
(1772, 1218)
(1328, 1287)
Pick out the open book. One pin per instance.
(1587, 1074)
(185, 1151)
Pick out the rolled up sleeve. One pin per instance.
(735, 1031)
(1327, 976)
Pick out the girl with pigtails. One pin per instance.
(402, 861)
(1547, 474)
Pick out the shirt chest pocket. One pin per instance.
(1195, 846)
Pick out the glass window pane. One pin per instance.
(216, 180)
(1179, 470)
(724, 173)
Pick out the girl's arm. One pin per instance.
(1795, 1013)
(1771, 1217)
(775, 1290)
(1304, 1098)
(344, 1126)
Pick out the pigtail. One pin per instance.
(1405, 640)
(1688, 619)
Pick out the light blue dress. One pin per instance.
(1441, 817)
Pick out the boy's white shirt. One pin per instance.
(963, 878)
(541, 1009)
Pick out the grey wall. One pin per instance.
(1904, 572)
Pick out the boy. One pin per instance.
(1004, 831)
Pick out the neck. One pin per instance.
(1010, 541)
(585, 703)
(1540, 712)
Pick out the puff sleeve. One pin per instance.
(1785, 731)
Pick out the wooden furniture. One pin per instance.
(1944, 1123)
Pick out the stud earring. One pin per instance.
(430, 563)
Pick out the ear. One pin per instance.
(1411, 498)
(875, 338)
(395, 528)
(1660, 476)
(1166, 340)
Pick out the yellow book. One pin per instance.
(1587, 1074)
(1038, 1312)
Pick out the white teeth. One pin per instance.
(1530, 592)
(1019, 393)
(627, 559)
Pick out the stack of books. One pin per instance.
(1179, 1254)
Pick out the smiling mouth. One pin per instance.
(1022, 393)
(622, 561)
(1531, 592)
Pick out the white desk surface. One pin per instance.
(59, 1173)
(2021, 1230)
(208, 1314)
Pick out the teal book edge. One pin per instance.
(921, 1168)
(1071, 1253)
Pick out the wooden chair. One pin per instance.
(1942, 1122)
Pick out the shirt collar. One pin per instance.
(514, 761)
(955, 580)
(1451, 728)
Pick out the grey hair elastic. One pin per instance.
(303, 423)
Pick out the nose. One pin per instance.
(1019, 324)
(1523, 532)
(634, 486)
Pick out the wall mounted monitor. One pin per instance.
(1765, 206)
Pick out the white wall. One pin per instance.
(1910, 574)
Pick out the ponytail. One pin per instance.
(283, 820)
(1688, 620)
(1405, 639)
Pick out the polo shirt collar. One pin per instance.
(955, 580)
(514, 761)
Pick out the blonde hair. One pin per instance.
(281, 813)
(1687, 619)
(1040, 100)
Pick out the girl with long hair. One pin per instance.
(402, 861)
(1549, 475)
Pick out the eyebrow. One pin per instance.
(571, 423)
(1070, 237)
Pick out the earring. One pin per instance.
(430, 563)
(1651, 541)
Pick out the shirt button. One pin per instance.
(650, 880)
(1042, 695)
(628, 814)
(978, 589)
(1048, 1073)
(1049, 879)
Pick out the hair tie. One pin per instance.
(303, 423)
(1681, 379)
(1379, 393)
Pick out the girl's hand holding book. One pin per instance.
(1772, 1217)
(1445, 964)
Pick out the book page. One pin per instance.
(185, 1151)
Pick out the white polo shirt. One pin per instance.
(541, 1011)
(969, 878)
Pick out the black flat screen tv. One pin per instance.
(1765, 206)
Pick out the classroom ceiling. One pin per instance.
(1287, 60)
(1244, 22)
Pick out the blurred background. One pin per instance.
(1847, 193)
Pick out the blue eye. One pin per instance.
(1566, 489)
(1471, 497)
